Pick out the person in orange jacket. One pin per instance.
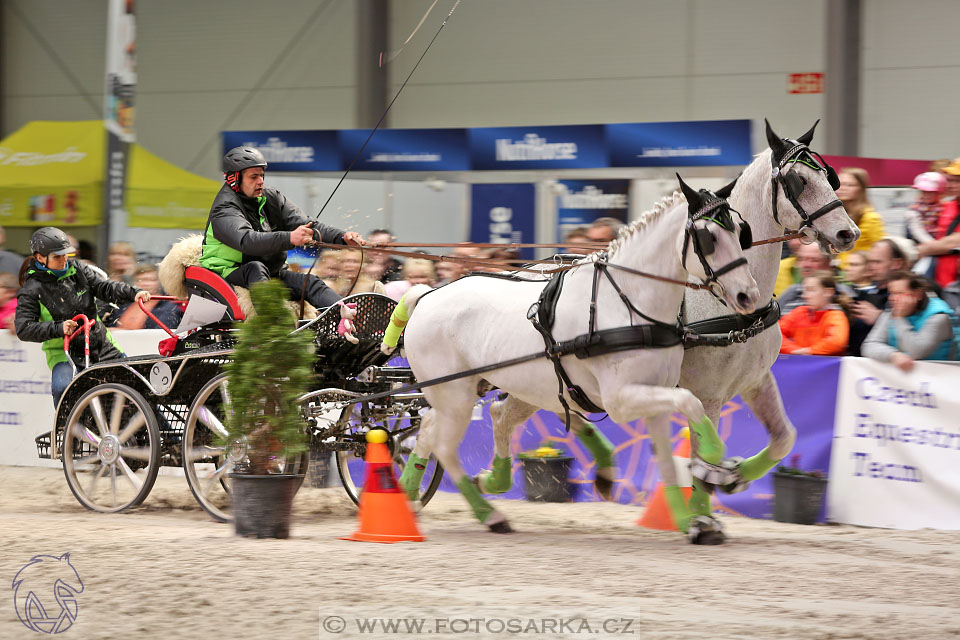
(819, 327)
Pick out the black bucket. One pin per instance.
(263, 505)
(545, 479)
(797, 499)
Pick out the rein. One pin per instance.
(374, 130)
(509, 266)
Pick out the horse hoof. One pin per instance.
(705, 530)
(709, 538)
(501, 527)
(604, 487)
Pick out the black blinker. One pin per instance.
(794, 184)
(832, 178)
(746, 236)
(704, 240)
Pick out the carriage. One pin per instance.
(119, 421)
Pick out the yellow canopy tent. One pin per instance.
(52, 173)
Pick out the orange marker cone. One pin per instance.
(385, 515)
(657, 514)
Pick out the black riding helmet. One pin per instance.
(238, 159)
(50, 240)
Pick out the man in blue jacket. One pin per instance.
(917, 326)
(251, 227)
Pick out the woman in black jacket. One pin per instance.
(53, 290)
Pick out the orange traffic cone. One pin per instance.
(385, 515)
(657, 515)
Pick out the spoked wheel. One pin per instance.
(207, 461)
(111, 448)
(401, 442)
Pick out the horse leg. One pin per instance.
(659, 428)
(447, 430)
(506, 416)
(416, 465)
(764, 400)
(602, 450)
(644, 400)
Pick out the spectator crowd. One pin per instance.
(892, 298)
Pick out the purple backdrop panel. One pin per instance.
(808, 385)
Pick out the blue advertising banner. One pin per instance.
(290, 150)
(808, 386)
(588, 146)
(405, 149)
(580, 202)
(690, 144)
(503, 213)
(552, 147)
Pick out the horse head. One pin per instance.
(804, 193)
(718, 243)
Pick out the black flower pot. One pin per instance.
(797, 499)
(545, 479)
(263, 505)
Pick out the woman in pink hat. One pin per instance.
(924, 215)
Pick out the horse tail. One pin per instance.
(401, 316)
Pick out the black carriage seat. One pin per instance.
(207, 284)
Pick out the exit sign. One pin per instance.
(805, 83)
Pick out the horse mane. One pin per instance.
(667, 203)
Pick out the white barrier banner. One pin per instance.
(26, 406)
(895, 461)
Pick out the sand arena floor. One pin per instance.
(166, 570)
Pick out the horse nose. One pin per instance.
(745, 301)
(847, 237)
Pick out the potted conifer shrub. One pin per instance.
(271, 368)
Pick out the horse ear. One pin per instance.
(807, 138)
(776, 144)
(725, 192)
(693, 198)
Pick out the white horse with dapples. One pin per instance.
(787, 187)
(477, 321)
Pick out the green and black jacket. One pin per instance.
(242, 230)
(45, 301)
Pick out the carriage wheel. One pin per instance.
(401, 441)
(206, 460)
(111, 448)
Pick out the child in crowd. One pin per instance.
(820, 326)
(857, 272)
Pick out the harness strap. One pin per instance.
(723, 331)
(621, 339)
(729, 267)
(830, 206)
(540, 315)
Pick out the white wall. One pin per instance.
(246, 64)
(911, 79)
(503, 62)
(208, 66)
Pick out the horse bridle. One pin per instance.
(719, 211)
(793, 185)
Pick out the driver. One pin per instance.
(251, 227)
